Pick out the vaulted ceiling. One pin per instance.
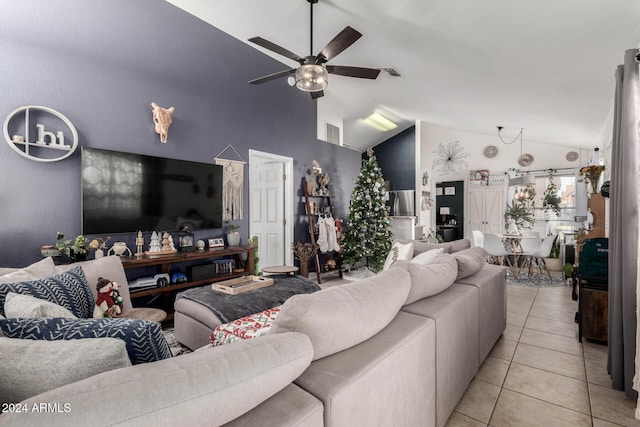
(546, 66)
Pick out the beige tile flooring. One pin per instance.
(538, 374)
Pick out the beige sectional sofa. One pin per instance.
(377, 352)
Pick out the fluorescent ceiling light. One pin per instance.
(380, 122)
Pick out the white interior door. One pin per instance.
(476, 210)
(494, 208)
(270, 195)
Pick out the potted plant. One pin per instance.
(551, 201)
(233, 235)
(76, 251)
(553, 262)
(519, 213)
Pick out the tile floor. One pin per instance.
(538, 374)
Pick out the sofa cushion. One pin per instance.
(340, 317)
(430, 279)
(398, 251)
(16, 305)
(109, 267)
(428, 256)
(68, 289)
(459, 245)
(470, 261)
(26, 365)
(39, 270)
(210, 387)
(144, 340)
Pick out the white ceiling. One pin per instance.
(546, 65)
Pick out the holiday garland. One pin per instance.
(368, 231)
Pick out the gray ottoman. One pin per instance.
(199, 310)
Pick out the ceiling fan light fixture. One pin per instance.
(380, 122)
(311, 78)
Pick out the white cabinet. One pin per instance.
(486, 209)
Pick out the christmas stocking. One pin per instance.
(332, 241)
(322, 235)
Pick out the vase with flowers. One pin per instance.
(592, 175)
(99, 245)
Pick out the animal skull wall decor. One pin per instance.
(162, 118)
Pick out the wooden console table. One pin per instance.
(164, 262)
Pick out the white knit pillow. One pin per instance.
(26, 306)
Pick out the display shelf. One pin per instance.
(164, 297)
(312, 224)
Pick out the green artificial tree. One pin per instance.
(368, 233)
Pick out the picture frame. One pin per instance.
(438, 191)
(215, 242)
(449, 191)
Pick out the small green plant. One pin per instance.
(231, 228)
(65, 246)
(555, 248)
(433, 235)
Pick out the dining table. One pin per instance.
(513, 242)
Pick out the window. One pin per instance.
(546, 221)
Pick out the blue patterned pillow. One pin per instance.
(144, 340)
(68, 289)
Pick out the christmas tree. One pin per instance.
(368, 231)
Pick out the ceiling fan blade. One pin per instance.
(316, 95)
(275, 48)
(363, 73)
(339, 43)
(273, 76)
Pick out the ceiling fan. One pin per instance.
(312, 75)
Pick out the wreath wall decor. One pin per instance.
(450, 158)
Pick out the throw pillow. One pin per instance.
(428, 256)
(108, 266)
(38, 270)
(68, 289)
(28, 368)
(430, 279)
(244, 328)
(144, 340)
(420, 246)
(16, 305)
(470, 261)
(340, 317)
(399, 251)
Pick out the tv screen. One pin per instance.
(124, 192)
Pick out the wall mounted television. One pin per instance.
(125, 192)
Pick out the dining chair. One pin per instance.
(477, 238)
(542, 253)
(530, 245)
(495, 248)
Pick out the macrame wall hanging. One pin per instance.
(232, 184)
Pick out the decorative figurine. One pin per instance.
(139, 243)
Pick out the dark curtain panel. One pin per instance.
(623, 228)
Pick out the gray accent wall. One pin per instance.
(397, 158)
(101, 63)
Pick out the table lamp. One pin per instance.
(444, 212)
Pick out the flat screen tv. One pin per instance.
(124, 193)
